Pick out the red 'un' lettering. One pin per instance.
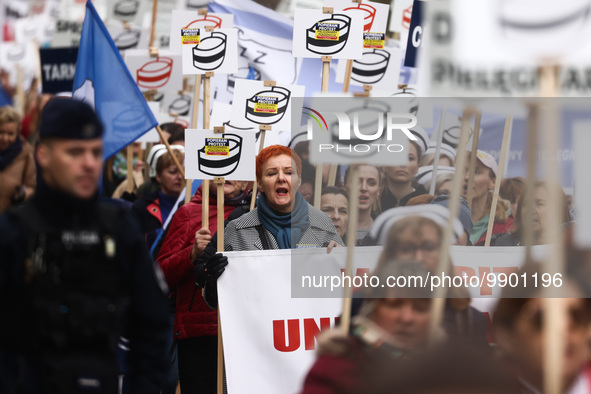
(311, 331)
(279, 338)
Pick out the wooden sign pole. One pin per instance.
(348, 72)
(528, 210)
(153, 30)
(351, 240)
(206, 98)
(472, 167)
(326, 60)
(206, 106)
(219, 181)
(263, 128)
(555, 318)
(19, 97)
(174, 159)
(149, 146)
(332, 175)
(194, 118)
(437, 153)
(325, 72)
(438, 302)
(130, 167)
(495, 199)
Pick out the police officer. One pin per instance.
(75, 274)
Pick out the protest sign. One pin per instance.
(58, 66)
(317, 34)
(227, 154)
(270, 334)
(215, 51)
(155, 73)
(193, 20)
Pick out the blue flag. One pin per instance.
(103, 81)
(4, 98)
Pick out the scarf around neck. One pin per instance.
(287, 228)
(8, 155)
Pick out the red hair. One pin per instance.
(276, 150)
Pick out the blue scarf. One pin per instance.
(280, 225)
(8, 155)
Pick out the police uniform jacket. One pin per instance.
(143, 315)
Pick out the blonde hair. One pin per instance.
(429, 159)
(501, 215)
(440, 180)
(8, 115)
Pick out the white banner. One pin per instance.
(270, 337)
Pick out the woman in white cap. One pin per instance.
(485, 174)
(153, 209)
(398, 185)
(447, 155)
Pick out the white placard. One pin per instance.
(375, 15)
(178, 105)
(152, 135)
(378, 67)
(155, 73)
(270, 337)
(180, 120)
(230, 154)
(66, 33)
(25, 55)
(582, 195)
(256, 104)
(131, 11)
(221, 116)
(316, 34)
(522, 32)
(134, 38)
(217, 51)
(39, 27)
(192, 4)
(400, 19)
(182, 19)
(422, 108)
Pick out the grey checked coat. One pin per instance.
(242, 234)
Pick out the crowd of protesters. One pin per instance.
(388, 340)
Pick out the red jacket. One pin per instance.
(192, 317)
(498, 228)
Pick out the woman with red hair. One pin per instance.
(281, 220)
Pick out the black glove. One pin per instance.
(215, 266)
(199, 266)
(200, 274)
(210, 294)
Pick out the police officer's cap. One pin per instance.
(69, 119)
